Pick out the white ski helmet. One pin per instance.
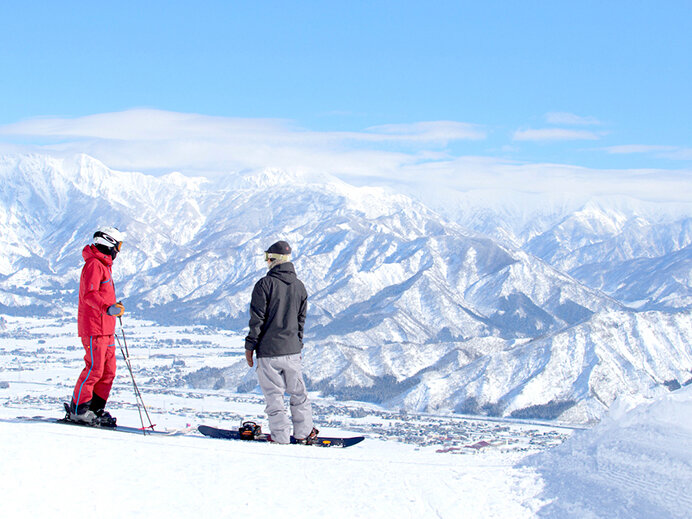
(110, 237)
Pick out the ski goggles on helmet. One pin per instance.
(103, 238)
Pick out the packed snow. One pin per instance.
(637, 463)
(63, 471)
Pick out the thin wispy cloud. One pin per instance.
(554, 134)
(155, 139)
(411, 157)
(662, 151)
(566, 118)
(483, 174)
(440, 131)
(638, 148)
(561, 133)
(679, 154)
(149, 124)
(142, 124)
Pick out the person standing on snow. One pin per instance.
(277, 317)
(96, 327)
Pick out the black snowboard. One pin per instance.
(320, 441)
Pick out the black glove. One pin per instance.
(116, 310)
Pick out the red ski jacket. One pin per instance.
(96, 294)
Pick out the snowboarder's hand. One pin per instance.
(248, 358)
(116, 310)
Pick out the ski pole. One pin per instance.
(138, 395)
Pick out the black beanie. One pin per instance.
(280, 247)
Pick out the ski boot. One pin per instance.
(80, 414)
(103, 417)
(311, 438)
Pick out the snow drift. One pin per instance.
(636, 464)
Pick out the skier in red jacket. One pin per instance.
(96, 324)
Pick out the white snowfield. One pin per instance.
(56, 471)
(635, 464)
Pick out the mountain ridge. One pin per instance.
(392, 283)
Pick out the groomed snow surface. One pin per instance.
(635, 464)
(54, 470)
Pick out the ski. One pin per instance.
(319, 441)
(117, 428)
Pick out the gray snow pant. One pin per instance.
(279, 375)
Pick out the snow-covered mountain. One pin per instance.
(406, 307)
(379, 267)
(662, 282)
(630, 249)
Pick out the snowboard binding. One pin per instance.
(249, 431)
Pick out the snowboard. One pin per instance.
(320, 441)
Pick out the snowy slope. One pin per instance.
(632, 253)
(636, 464)
(376, 264)
(574, 375)
(180, 477)
(663, 282)
(598, 239)
(48, 206)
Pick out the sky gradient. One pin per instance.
(597, 85)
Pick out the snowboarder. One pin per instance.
(277, 317)
(96, 327)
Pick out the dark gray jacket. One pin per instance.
(277, 313)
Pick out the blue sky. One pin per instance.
(589, 84)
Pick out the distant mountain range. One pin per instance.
(551, 313)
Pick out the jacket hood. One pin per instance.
(284, 272)
(91, 252)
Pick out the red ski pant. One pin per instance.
(99, 372)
